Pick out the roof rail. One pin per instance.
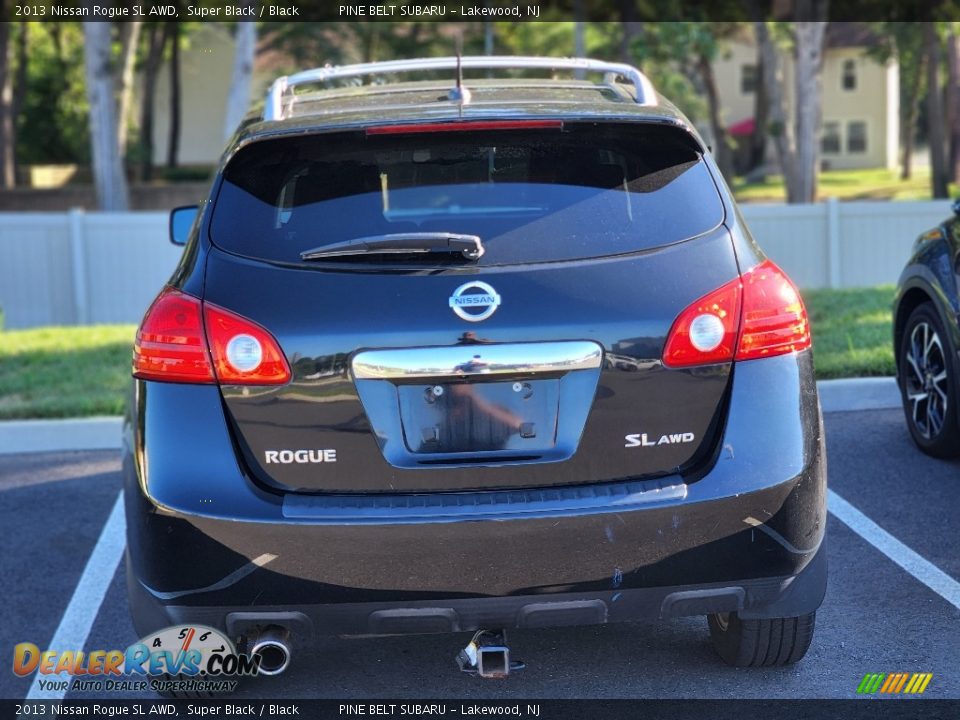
(282, 88)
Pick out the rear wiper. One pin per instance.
(400, 243)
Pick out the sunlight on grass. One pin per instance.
(852, 331)
(868, 184)
(65, 371)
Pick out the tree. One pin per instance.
(173, 144)
(796, 139)
(953, 103)
(238, 99)
(7, 137)
(129, 41)
(758, 138)
(935, 130)
(111, 184)
(809, 98)
(903, 41)
(158, 36)
(781, 129)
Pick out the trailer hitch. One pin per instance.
(487, 655)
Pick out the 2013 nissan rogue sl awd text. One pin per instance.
(471, 353)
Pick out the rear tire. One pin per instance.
(760, 643)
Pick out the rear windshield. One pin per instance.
(530, 195)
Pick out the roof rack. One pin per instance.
(282, 88)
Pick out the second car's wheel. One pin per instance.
(760, 643)
(928, 384)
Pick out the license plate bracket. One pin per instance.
(515, 415)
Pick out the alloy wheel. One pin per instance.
(926, 380)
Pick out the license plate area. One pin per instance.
(476, 413)
(514, 416)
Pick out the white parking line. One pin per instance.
(82, 610)
(918, 566)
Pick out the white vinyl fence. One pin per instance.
(82, 268)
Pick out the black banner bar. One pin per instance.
(477, 10)
(533, 709)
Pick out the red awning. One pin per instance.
(744, 127)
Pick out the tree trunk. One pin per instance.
(129, 40)
(809, 97)
(579, 35)
(7, 138)
(953, 104)
(238, 100)
(758, 139)
(721, 147)
(156, 41)
(781, 129)
(908, 128)
(627, 10)
(173, 143)
(935, 133)
(107, 166)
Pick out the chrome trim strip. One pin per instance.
(461, 361)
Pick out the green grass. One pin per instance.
(852, 331)
(56, 372)
(869, 184)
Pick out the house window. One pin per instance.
(830, 140)
(849, 75)
(856, 136)
(748, 79)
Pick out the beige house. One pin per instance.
(206, 67)
(861, 98)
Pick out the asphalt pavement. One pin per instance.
(877, 616)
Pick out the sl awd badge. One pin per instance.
(641, 439)
(472, 296)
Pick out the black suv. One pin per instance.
(473, 354)
(926, 339)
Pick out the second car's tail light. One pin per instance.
(774, 319)
(183, 340)
(757, 315)
(243, 352)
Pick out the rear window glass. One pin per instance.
(530, 195)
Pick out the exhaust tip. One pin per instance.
(273, 650)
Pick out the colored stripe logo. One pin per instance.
(894, 683)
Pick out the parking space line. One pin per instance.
(84, 605)
(911, 561)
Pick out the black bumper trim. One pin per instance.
(758, 598)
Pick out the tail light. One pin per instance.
(759, 314)
(774, 318)
(170, 344)
(706, 332)
(243, 352)
(182, 339)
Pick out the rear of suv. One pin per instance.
(496, 356)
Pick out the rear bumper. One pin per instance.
(757, 598)
(746, 536)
